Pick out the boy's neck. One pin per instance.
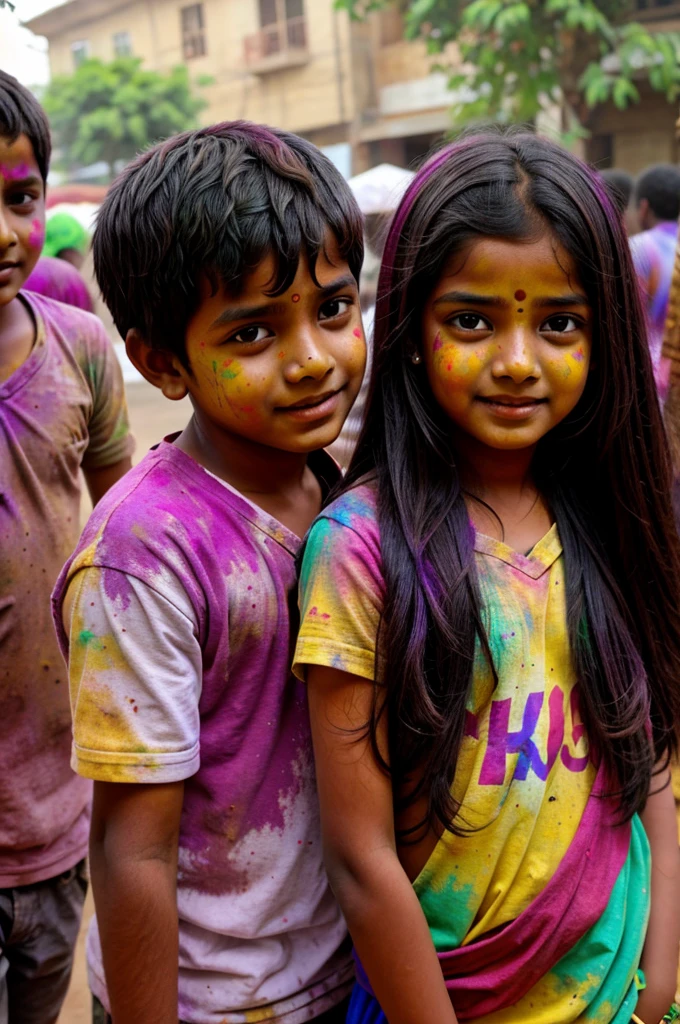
(251, 468)
(17, 337)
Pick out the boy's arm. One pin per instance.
(133, 862)
(660, 955)
(99, 479)
(384, 916)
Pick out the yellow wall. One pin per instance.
(304, 98)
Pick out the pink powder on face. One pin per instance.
(438, 343)
(578, 355)
(37, 235)
(357, 332)
(15, 173)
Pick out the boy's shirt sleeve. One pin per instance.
(135, 675)
(109, 429)
(341, 601)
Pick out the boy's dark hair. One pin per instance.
(21, 114)
(620, 184)
(660, 186)
(214, 203)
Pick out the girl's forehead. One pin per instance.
(493, 263)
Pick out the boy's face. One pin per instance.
(22, 215)
(282, 372)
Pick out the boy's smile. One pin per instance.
(22, 215)
(507, 339)
(279, 371)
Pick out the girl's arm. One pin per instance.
(660, 955)
(382, 911)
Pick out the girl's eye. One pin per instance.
(251, 335)
(334, 308)
(561, 324)
(470, 322)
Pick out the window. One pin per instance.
(193, 31)
(274, 12)
(80, 51)
(122, 44)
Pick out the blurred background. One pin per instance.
(376, 84)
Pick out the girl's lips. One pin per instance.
(513, 408)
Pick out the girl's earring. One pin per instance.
(416, 358)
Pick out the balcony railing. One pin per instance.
(280, 45)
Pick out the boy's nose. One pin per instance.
(309, 359)
(8, 236)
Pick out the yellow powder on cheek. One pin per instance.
(456, 363)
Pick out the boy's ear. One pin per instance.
(160, 367)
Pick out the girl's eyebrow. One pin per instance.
(472, 298)
(495, 301)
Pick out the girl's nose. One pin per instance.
(517, 359)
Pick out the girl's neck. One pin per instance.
(502, 498)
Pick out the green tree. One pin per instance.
(109, 112)
(520, 55)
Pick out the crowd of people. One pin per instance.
(388, 746)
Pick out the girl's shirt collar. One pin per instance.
(538, 561)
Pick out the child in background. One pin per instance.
(229, 258)
(62, 409)
(489, 615)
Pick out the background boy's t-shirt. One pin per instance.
(654, 256)
(524, 779)
(180, 648)
(62, 409)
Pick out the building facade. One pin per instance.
(358, 91)
(644, 133)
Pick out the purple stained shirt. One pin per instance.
(180, 646)
(59, 279)
(653, 256)
(60, 410)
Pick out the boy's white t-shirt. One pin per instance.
(180, 648)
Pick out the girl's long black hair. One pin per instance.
(605, 472)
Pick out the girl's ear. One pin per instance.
(160, 367)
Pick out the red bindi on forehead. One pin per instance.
(520, 295)
(296, 297)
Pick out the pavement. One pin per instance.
(152, 417)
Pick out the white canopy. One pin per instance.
(380, 190)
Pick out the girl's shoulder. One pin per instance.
(355, 509)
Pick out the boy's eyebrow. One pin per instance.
(29, 181)
(229, 316)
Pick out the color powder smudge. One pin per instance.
(37, 235)
(438, 343)
(358, 332)
(578, 355)
(15, 173)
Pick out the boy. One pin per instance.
(229, 259)
(62, 408)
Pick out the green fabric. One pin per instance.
(62, 231)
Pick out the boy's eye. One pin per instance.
(470, 322)
(251, 335)
(21, 199)
(561, 324)
(334, 308)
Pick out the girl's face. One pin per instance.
(507, 340)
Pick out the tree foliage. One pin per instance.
(520, 55)
(109, 112)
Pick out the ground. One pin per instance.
(152, 417)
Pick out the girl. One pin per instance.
(490, 616)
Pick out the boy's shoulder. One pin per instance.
(165, 515)
(82, 332)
